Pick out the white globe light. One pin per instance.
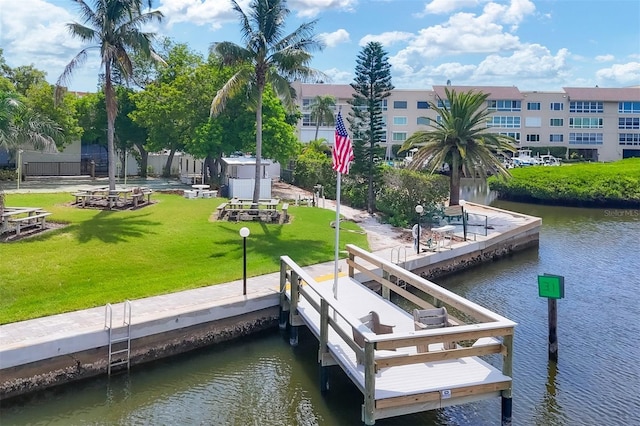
(244, 232)
(419, 209)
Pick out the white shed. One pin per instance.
(239, 173)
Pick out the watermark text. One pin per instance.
(622, 213)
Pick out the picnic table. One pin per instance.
(245, 209)
(102, 196)
(247, 203)
(17, 218)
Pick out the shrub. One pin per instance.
(585, 184)
(6, 174)
(403, 189)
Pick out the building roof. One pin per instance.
(495, 92)
(339, 91)
(603, 94)
(244, 161)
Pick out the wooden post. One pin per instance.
(323, 350)
(507, 370)
(351, 269)
(553, 330)
(369, 406)
(293, 310)
(386, 292)
(284, 305)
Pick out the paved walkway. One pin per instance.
(383, 240)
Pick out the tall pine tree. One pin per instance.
(372, 85)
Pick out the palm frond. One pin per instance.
(64, 78)
(231, 88)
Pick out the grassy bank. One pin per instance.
(103, 256)
(614, 184)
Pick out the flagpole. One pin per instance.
(342, 154)
(337, 245)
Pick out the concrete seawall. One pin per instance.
(44, 352)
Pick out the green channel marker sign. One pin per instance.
(551, 286)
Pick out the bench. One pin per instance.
(456, 213)
(284, 216)
(188, 193)
(209, 194)
(30, 221)
(221, 210)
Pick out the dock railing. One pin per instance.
(489, 333)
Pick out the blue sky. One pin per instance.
(535, 45)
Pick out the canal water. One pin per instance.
(263, 381)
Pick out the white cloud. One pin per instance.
(626, 74)
(35, 32)
(386, 39)
(200, 12)
(335, 38)
(337, 76)
(311, 8)
(605, 58)
(530, 62)
(447, 6)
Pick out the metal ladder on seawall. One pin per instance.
(119, 339)
(398, 251)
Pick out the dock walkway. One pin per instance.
(394, 377)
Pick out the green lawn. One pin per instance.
(106, 257)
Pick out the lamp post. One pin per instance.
(19, 171)
(244, 233)
(419, 210)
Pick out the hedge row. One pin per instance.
(586, 184)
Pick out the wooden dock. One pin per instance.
(393, 376)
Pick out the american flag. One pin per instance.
(342, 150)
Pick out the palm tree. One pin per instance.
(20, 125)
(322, 110)
(113, 27)
(460, 139)
(269, 57)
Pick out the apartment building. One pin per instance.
(601, 124)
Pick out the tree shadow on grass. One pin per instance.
(304, 250)
(113, 227)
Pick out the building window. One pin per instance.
(306, 104)
(515, 135)
(506, 122)
(444, 103)
(556, 106)
(586, 106)
(424, 121)
(629, 138)
(438, 119)
(399, 136)
(533, 138)
(306, 120)
(532, 122)
(556, 122)
(585, 123)
(423, 105)
(556, 138)
(400, 104)
(629, 107)
(533, 106)
(399, 121)
(504, 105)
(629, 123)
(585, 138)
(384, 105)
